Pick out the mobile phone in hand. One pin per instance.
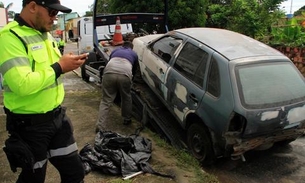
(84, 55)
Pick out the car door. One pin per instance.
(156, 61)
(218, 103)
(185, 82)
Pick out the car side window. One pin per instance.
(166, 47)
(214, 79)
(191, 63)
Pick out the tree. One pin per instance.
(103, 7)
(251, 17)
(299, 11)
(11, 14)
(182, 13)
(187, 13)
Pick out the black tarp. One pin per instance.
(116, 154)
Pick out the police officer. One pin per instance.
(61, 46)
(32, 68)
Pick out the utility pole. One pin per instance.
(291, 7)
(65, 34)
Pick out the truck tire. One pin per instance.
(85, 77)
(200, 144)
(91, 58)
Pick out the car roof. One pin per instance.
(231, 45)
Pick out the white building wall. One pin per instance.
(2, 17)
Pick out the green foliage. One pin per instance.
(120, 181)
(185, 160)
(187, 13)
(182, 13)
(291, 34)
(152, 6)
(103, 7)
(218, 16)
(299, 11)
(11, 14)
(88, 14)
(251, 17)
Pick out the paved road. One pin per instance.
(75, 83)
(280, 164)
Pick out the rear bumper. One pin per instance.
(241, 146)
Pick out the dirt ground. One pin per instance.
(82, 107)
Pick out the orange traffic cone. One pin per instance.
(117, 37)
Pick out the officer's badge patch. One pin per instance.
(37, 47)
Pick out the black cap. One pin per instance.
(53, 4)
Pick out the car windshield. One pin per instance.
(269, 84)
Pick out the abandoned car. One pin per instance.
(229, 92)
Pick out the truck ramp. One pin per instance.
(150, 110)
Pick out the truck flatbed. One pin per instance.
(148, 109)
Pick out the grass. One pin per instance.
(185, 160)
(120, 181)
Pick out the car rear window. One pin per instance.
(269, 84)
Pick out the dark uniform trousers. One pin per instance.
(45, 133)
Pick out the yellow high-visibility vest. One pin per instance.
(25, 63)
(61, 43)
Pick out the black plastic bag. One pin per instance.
(116, 154)
(93, 160)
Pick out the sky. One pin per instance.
(296, 4)
(81, 6)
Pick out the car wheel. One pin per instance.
(199, 143)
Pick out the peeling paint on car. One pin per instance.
(148, 78)
(180, 114)
(269, 115)
(296, 114)
(163, 85)
(181, 92)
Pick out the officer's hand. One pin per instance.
(69, 62)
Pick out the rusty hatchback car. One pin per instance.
(229, 92)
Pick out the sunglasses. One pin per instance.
(51, 11)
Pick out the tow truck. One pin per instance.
(99, 57)
(147, 108)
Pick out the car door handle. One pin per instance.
(193, 97)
